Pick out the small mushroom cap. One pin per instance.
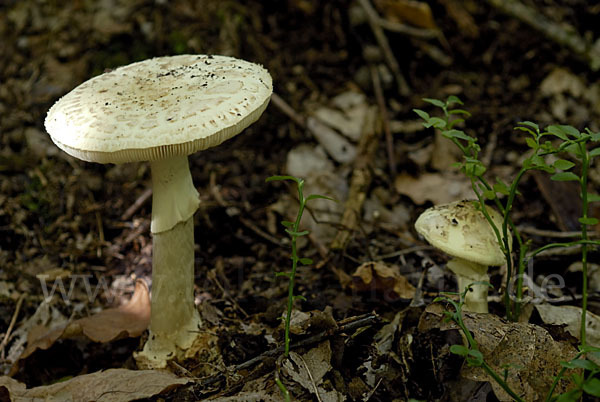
(161, 107)
(461, 230)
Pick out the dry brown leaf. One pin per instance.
(113, 385)
(416, 13)
(439, 188)
(129, 320)
(309, 369)
(570, 317)
(379, 277)
(531, 355)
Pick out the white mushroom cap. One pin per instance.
(461, 230)
(158, 108)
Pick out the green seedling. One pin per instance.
(293, 230)
(557, 140)
(470, 351)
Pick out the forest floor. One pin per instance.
(367, 328)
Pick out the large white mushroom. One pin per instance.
(461, 230)
(161, 110)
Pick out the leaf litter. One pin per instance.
(49, 207)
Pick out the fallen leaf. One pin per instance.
(379, 277)
(129, 320)
(339, 148)
(561, 81)
(309, 369)
(416, 13)
(113, 385)
(570, 318)
(439, 188)
(529, 354)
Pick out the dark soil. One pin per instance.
(59, 212)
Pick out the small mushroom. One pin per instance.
(161, 110)
(461, 230)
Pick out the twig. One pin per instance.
(250, 225)
(346, 325)
(388, 55)
(13, 321)
(310, 376)
(360, 181)
(288, 111)
(141, 200)
(552, 233)
(212, 275)
(389, 140)
(405, 251)
(398, 27)
(566, 37)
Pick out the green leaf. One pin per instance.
(474, 169)
(457, 134)
(435, 102)
(595, 136)
(437, 122)
(475, 358)
(297, 234)
(579, 363)
(305, 261)
(318, 196)
(531, 143)
(454, 123)
(565, 176)
(453, 99)
(299, 297)
(592, 386)
(286, 274)
(501, 187)
(570, 396)
(570, 130)
(459, 111)
(422, 114)
(527, 130)
(570, 146)
(489, 194)
(563, 132)
(459, 350)
(281, 178)
(588, 221)
(529, 124)
(592, 197)
(595, 152)
(287, 224)
(563, 164)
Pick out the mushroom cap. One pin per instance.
(461, 230)
(158, 108)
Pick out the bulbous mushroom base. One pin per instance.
(159, 350)
(175, 322)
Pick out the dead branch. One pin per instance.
(552, 30)
(346, 325)
(361, 179)
(373, 19)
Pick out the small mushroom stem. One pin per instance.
(466, 273)
(174, 320)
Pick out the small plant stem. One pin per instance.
(457, 317)
(585, 162)
(560, 375)
(501, 382)
(292, 274)
(568, 244)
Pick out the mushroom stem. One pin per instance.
(466, 273)
(174, 320)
